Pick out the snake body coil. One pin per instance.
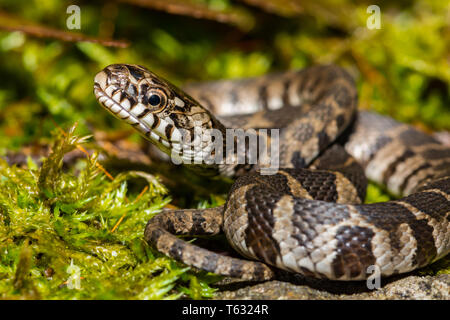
(307, 217)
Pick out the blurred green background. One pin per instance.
(401, 69)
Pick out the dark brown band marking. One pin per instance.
(393, 165)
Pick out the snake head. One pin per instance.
(161, 112)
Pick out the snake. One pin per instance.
(307, 216)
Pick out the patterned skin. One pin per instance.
(307, 217)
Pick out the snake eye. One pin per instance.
(154, 100)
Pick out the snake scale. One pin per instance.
(307, 217)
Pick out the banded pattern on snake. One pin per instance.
(307, 217)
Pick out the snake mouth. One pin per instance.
(116, 101)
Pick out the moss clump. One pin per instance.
(57, 235)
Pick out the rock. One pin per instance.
(402, 287)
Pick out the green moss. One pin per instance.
(53, 222)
